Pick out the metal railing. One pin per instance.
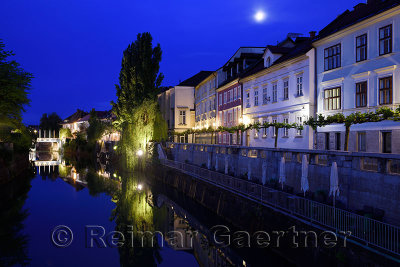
(365, 230)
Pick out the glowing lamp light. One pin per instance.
(115, 175)
(139, 153)
(140, 187)
(259, 16)
(35, 131)
(115, 147)
(246, 120)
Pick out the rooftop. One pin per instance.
(360, 12)
(196, 79)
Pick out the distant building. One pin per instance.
(71, 122)
(177, 106)
(280, 88)
(357, 68)
(229, 91)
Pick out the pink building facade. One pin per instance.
(229, 99)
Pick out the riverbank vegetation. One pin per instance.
(15, 138)
(84, 144)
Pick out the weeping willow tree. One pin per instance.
(138, 115)
(147, 125)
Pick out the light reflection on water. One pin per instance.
(63, 194)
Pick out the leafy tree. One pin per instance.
(96, 127)
(65, 133)
(14, 86)
(138, 115)
(51, 122)
(139, 77)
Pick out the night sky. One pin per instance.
(74, 48)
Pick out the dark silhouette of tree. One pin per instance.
(51, 122)
(14, 86)
(139, 78)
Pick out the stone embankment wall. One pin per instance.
(366, 180)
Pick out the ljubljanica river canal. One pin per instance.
(94, 216)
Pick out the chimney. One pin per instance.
(371, 2)
(312, 34)
(359, 6)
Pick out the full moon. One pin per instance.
(259, 16)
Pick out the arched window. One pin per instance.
(268, 62)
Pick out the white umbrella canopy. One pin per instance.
(282, 176)
(304, 175)
(334, 181)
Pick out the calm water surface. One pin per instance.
(102, 198)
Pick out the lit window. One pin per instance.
(182, 117)
(299, 121)
(247, 99)
(332, 99)
(286, 89)
(299, 85)
(256, 97)
(332, 57)
(385, 91)
(265, 96)
(264, 130)
(286, 130)
(274, 92)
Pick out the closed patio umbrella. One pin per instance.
(334, 181)
(304, 175)
(334, 188)
(282, 177)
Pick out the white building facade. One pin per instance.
(206, 108)
(178, 108)
(358, 70)
(282, 90)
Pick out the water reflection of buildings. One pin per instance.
(51, 165)
(185, 232)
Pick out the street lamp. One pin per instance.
(139, 187)
(139, 153)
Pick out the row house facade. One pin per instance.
(206, 107)
(280, 88)
(177, 106)
(229, 92)
(352, 65)
(357, 68)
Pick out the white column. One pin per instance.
(40, 133)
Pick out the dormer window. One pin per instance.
(268, 62)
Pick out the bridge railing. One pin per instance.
(365, 230)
